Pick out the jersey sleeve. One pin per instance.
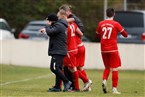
(119, 27)
(98, 29)
(75, 26)
(121, 30)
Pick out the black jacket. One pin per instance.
(78, 22)
(57, 33)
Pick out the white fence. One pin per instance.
(34, 53)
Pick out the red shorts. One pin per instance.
(81, 56)
(70, 59)
(111, 59)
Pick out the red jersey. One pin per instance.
(79, 41)
(108, 30)
(71, 37)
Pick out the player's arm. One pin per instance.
(121, 30)
(124, 33)
(79, 32)
(98, 32)
(53, 30)
(97, 35)
(70, 19)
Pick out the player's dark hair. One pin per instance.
(110, 12)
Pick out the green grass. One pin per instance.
(131, 83)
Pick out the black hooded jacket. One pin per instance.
(57, 33)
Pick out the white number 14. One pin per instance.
(105, 30)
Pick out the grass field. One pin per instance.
(16, 81)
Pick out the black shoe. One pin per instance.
(104, 88)
(67, 86)
(53, 89)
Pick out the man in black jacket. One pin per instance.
(56, 30)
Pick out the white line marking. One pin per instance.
(24, 80)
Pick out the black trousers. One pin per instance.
(68, 74)
(56, 68)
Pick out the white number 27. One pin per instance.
(107, 30)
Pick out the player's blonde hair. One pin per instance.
(62, 12)
(65, 7)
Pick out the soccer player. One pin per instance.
(70, 60)
(108, 30)
(72, 17)
(81, 61)
(81, 47)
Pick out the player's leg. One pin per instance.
(115, 80)
(105, 78)
(75, 76)
(106, 61)
(80, 63)
(115, 63)
(86, 81)
(56, 68)
(81, 60)
(68, 74)
(81, 71)
(106, 73)
(57, 86)
(83, 74)
(72, 67)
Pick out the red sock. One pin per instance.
(84, 73)
(114, 78)
(76, 80)
(84, 78)
(60, 84)
(106, 73)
